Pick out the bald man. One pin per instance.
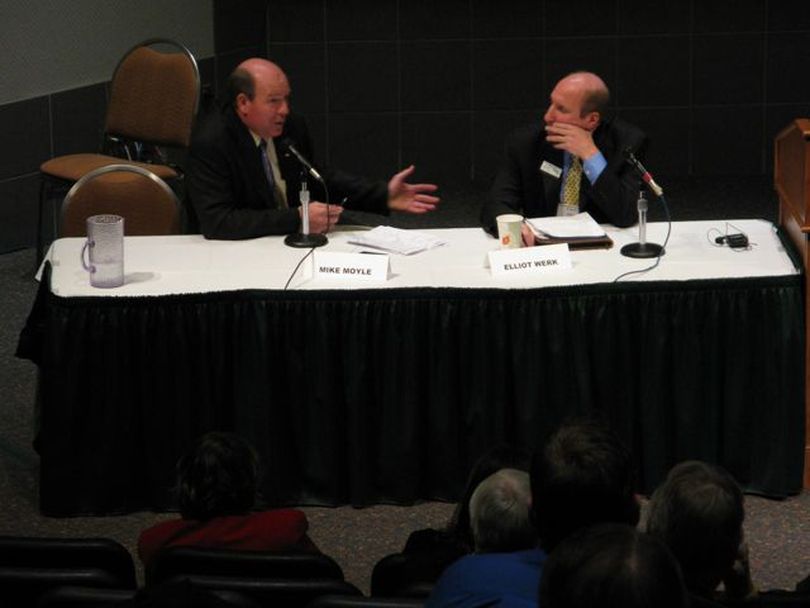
(575, 128)
(241, 182)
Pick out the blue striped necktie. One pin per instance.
(268, 171)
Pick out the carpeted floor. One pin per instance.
(778, 531)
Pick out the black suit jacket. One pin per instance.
(521, 187)
(227, 193)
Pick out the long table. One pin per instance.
(387, 394)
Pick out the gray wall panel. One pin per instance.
(49, 46)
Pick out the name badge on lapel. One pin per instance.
(551, 169)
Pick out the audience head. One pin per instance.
(217, 477)
(259, 91)
(500, 456)
(582, 476)
(698, 513)
(611, 566)
(499, 512)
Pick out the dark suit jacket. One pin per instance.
(520, 186)
(227, 193)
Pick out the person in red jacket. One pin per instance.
(216, 485)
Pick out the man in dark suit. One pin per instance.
(575, 139)
(242, 181)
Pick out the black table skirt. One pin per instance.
(388, 396)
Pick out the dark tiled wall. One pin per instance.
(440, 82)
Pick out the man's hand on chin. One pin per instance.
(571, 138)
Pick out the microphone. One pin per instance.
(645, 175)
(286, 143)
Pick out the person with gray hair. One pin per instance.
(499, 513)
(505, 568)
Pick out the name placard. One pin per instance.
(351, 267)
(529, 260)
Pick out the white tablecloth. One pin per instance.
(191, 264)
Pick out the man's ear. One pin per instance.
(593, 119)
(240, 102)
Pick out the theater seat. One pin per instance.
(83, 597)
(407, 575)
(177, 562)
(290, 593)
(31, 566)
(348, 601)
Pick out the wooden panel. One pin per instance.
(791, 176)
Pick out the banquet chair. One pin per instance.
(177, 562)
(31, 566)
(147, 204)
(154, 97)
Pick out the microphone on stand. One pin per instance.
(304, 239)
(288, 145)
(645, 175)
(643, 249)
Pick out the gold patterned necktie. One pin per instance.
(571, 186)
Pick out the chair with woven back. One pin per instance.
(154, 97)
(147, 204)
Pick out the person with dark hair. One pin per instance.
(243, 182)
(698, 513)
(504, 569)
(611, 566)
(216, 491)
(572, 161)
(582, 476)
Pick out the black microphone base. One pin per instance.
(642, 250)
(305, 241)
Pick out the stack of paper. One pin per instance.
(396, 240)
(581, 225)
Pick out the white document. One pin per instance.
(570, 226)
(396, 240)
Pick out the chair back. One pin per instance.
(154, 94)
(783, 599)
(352, 601)
(31, 566)
(290, 593)
(181, 561)
(147, 204)
(408, 575)
(83, 597)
